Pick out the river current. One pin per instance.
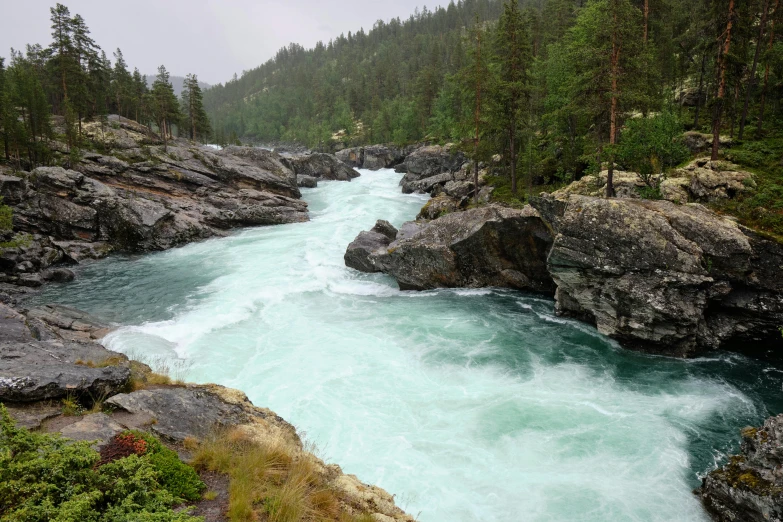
(468, 405)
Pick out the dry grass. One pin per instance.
(270, 481)
(111, 361)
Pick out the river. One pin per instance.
(469, 405)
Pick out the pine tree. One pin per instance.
(607, 55)
(511, 90)
(722, 67)
(193, 108)
(121, 82)
(164, 104)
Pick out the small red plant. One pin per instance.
(121, 446)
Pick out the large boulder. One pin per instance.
(488, 246)
(750, 486)
(321, 166)
(430, 161)
(366, 243)
(661, 277)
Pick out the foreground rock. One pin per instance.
(488, 246)
(37, 364)
(750, 487)
(664, 278)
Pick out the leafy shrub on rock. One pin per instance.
(650, 146)
(45, 477)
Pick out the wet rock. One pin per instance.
(663, 278)
(321, 166)
(357, 255)
(375, 157)
(307, 181)
(750, 486)
(488, 246)
(58, 275)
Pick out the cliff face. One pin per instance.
(664, 278)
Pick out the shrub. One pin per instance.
(6, 217)
(650, 146)
(45, 477)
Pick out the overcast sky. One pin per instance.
(211, 38)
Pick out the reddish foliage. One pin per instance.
(121, 446)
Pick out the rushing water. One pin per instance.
(467, 404)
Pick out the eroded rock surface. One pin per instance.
(366, 243)
(661, 277)
(750, 486)
(433, 166)
(374, 157)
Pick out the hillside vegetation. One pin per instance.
(550, 84)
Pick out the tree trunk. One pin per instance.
(477, 119)
(716, 120)
(513, 156)
(770, 43)
(699, 93)
(752, 82)
(613, 113)
(646, 18)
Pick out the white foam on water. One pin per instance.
(469, 405)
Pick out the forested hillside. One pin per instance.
(74, 79)
(554, 82)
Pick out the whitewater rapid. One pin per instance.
(468, 405)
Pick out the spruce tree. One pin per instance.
(511, 89)
(196, 118)
(165, 106)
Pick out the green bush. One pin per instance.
(762, 208)
(6, 217)
(178, 478)
(44, 477)
(650, 146)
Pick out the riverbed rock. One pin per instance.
(306, 181)
(664, 278)
(357, 255)
(321, 166)
(487, 246)
(750, 486)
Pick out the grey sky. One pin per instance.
(211, 38)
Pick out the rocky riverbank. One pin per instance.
(56, 377)
(137, 195)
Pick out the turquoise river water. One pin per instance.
(468, 405)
